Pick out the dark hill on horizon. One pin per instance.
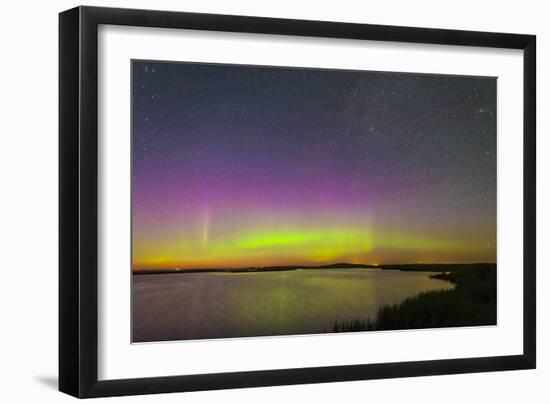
(447, 267)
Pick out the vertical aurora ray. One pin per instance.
(237, 166)
(205, 226)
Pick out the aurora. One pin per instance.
(250, 166)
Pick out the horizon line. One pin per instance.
(297, 266)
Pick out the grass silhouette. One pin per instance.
(471, 303)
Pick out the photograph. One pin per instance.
(270, 201)
(293, 199)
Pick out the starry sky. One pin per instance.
(241, 166)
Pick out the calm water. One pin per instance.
(221, 305)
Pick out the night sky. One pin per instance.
(237, 166)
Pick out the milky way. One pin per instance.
(254, 166)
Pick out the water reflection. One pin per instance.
(222, 305)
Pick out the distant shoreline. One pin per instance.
(400, 267)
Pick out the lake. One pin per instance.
(185, 306)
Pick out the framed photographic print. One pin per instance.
(250, 201)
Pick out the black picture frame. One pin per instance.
(78, 201)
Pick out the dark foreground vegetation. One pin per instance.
(471, 303)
